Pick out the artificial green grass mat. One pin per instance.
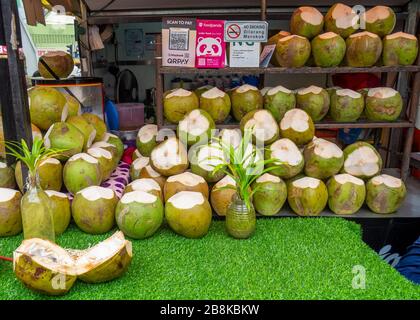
(288, 258)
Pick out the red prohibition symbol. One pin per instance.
(234, 31)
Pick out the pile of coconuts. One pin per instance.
(343, 38)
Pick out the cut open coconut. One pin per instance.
(399, 49)
(306, 22)
(385, 194)
(297, 126)
(342, 20)
(106, 163)
(231, 137)
(245, 98)
(383, 104)
(221, 195)
(186, 181)
(10, 215)
(196, 127)
(146, 185)
(278, 100)
(216, 103)
(315, 101)
(270, 194)
(146, 139)
(380, 20)
(204, 159)
(262, 124)
(178, 103)
(169, 157)
(81, 171)
(137, 166)
(290, 159)
(361, 160)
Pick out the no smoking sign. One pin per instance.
(250, 31)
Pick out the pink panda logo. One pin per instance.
(209, 47)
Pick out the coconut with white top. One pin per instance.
(149, 172)
(137, 166)
(216, 103)
(116, 142)
(177, 103)
(263, 126)
(278, 101)
(244, 99)
(221, 195)
(307, 196)
(200, 90)
(7, 176)
(363, 49)
(60, 208)
(383, 104)
(106, 162)
(306, 22)
(62, 135)
(50, 174)
(169, 157)
(328, 49)
(146, 139)
(139, 214)
(189, 214)
(88, 130)
(297, 126)
(230, 137)
(380, 20)
(323, 158)
(81, 171)
(10, 216)
(292, 51)
(290, 160)
(346, 105)
(186, 181)
(346, 193)
(400, 49)
(270, 194)
(93, 209)
(146, 185)
(385, 193)
(314, 100)
(205, 158)
(361, 160)
(196, 127)
(342, 20)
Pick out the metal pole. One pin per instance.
(263, 10)
(13, 95)
(159, 82)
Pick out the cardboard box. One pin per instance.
(211, 46)
(244, 54)
(178, 42)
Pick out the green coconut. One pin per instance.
(292, 51)
(380, 20)
(106, 163)
(342, 20)
(7, 176)
(307, 196)
(383, 104)
(278, 100)
(204, 159)
(199, 91)
(136, 167)
(323, 159)
(230, 137)
(221, 195)
(36, 132)
(196, 127)
(73, 106)
(44, 267)
(263, 126)
(60, 207)
(297, 126)
(264, 90)
(10, 216)
(81, 171)
(146, 139)
(170, 157)
(146, 185)
(306, 22)
(116, 142)
(110, 148)
(362, 160)
(139, 214)
(332, 90)
(50, 173)
(328, 49)
(270, 194)
(189, 214)
(62, 135)
(273, 40)
(93, 209)
(399, 49)
(216, 103)
(363, 49)
(97, 123)
(60, 62)
(290, 160)
(346, 105)
(47, 106)
(346, 194)
(178, 103)
(185, 181)
(85, 128)
(314, 100)
(385, 194)
(245, 98)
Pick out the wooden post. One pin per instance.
(13, 94)
(159, 82)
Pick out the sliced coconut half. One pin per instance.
(344, 178)
(382, 92)
(306, 182)
(186, 199)
(387, 180)
(362, 162)
(296, 119)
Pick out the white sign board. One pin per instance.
(251, 31)
(244, 54)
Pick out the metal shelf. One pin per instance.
(276, 70)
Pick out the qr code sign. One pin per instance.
(178, 39)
